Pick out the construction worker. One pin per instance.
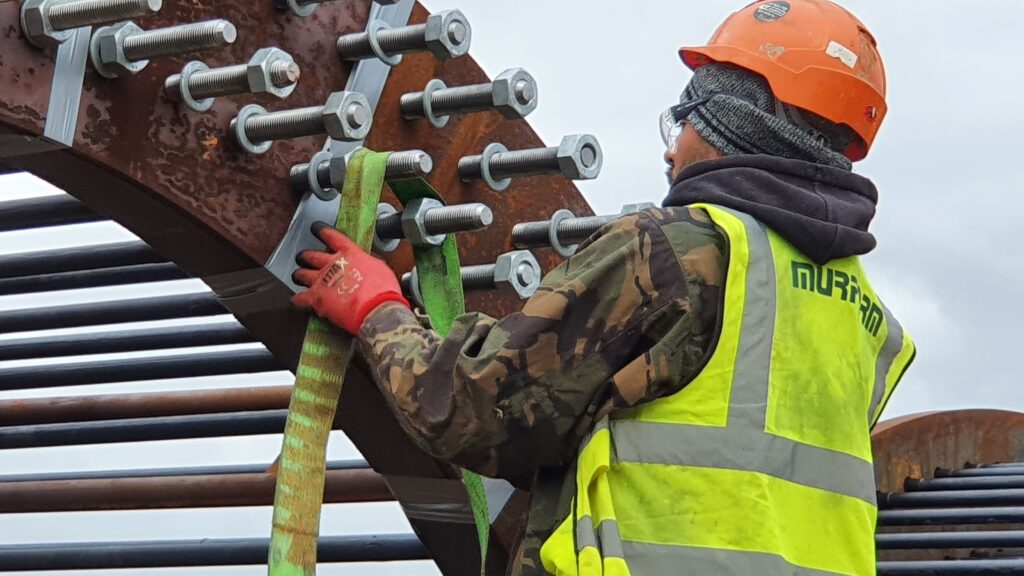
(693, 391)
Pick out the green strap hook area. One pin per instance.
(326, 352)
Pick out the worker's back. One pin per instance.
(762, 463)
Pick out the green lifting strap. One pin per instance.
(326, 353)
(440, 280)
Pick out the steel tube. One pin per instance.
(152, 405)
(93, 278)
(168, 472)
(123, 341)
(139, 310)
(156, 492)
(130, 370)
(144, 429)
(945, 540)
(78, 258)
(946, 516)
(1004, 465)
(1010, 497)
(966, 483)
(952, 568)
(55, 210)
(206, 552)
(978, 472)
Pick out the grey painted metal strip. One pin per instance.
(368, 77)
(886, 356)
(66, 91)
(659, 560)
(733, 448)
(65, 100)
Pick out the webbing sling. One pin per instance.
(441, 289)
(326, 353)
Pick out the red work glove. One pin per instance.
(346, 283)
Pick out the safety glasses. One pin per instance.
(673, 120)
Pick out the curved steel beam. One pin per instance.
(177, 179)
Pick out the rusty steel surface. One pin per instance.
(220, 490)
(177, 179)
(144, 405)
(913, 447)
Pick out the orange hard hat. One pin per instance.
(815, 55)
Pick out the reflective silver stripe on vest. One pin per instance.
(659, 560)
(606, 538)
(743, 444)
(886, 357)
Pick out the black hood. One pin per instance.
(823, 211)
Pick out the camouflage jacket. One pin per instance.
(630, 318)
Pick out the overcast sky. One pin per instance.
(948, 165)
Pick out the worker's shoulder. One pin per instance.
(668, 237)
(688, 230)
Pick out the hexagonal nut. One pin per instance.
(347, 116)
(514, 93)
(258, 72)
(520, 270)
(414, 222)
(36, 27)
(634, 208)
(448, 34)
(580, 157)
(107, 51)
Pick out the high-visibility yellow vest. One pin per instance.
(762, 464)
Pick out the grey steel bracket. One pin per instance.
(65, 100)
(368, 78)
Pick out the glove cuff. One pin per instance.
(370, 305)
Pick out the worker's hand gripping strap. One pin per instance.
(441, 286)
(326, 352)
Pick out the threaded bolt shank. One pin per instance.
(406, 164)
(286, 124)
(444, 220)
(78, 13)
(230, 80)
(178, 40)
(572, 231)
(525, 162)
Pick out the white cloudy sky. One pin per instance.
(948, 164)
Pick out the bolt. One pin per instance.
(270, 70)
(178, 40)
(400, 165)
(48, 22)
(446, 34)
(520, 270)
(513, 93)
(439, 220)
(124, 48)
(567, 230)
(578, 157)
(346, 116)
(306, 7)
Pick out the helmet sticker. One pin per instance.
(771, 11)
(844, 54)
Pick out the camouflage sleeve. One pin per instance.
(628, 319)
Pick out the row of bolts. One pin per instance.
(124, 49)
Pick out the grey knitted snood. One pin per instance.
(736, 126)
